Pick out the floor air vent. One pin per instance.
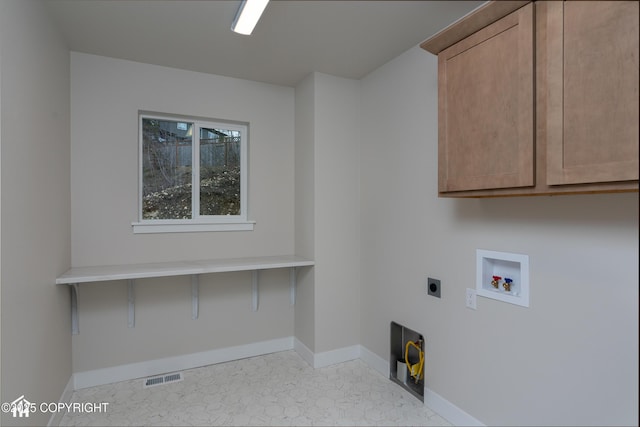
(162, 379)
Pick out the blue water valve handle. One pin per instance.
(507, 284)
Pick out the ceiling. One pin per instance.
(292, 39)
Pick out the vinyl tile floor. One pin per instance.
(278, 389)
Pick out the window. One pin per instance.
(193, 175)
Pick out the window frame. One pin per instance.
(197, 222)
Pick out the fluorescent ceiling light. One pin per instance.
(248, 15)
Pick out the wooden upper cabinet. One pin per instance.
(486, 107)
(592, 91)
(539, 98)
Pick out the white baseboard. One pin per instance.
(374, 361)
(188, 361)
(448, 410)
(303, 351)
(56, 416)
(326, 358)
(177, 363)
(339, 355)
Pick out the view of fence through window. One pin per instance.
(167, 169)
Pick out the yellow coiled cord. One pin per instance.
(416, 370)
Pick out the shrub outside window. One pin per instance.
(193, 175)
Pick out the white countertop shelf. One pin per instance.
(178, 268)
(131, 272)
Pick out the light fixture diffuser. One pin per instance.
(248, 15)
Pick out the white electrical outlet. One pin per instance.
(471, 299)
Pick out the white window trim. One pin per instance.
(150, 226)
(199, 223)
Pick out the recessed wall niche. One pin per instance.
(503, 276)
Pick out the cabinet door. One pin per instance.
(486, 107)
(592, 76)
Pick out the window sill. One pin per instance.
(190, 227)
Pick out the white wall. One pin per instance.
(304, 209)
(569, 359)
(337, 211)
(106, 95)
(36, 246)
(327, 210)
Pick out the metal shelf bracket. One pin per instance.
(254, 286)
(74, 309)
(195, 284)
(292, 286)
(131, 298)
